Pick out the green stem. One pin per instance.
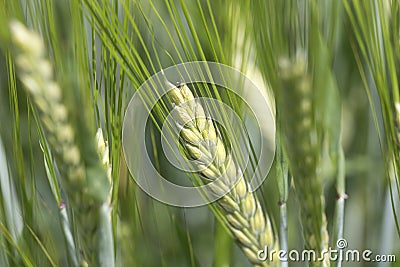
(283, 185)
(341, 197)
(106, 239)
(223, 246)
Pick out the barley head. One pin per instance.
(85, 184)
(202, 142)
(300, 138)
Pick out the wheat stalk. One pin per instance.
(85, 192)
(199, 136)
(300, 138)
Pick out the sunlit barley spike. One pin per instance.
(240, 206)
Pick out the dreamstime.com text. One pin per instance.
(341, 253)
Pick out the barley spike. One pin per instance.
(300, 140)
(35, 73)
(247, 222)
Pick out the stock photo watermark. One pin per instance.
(342, 253)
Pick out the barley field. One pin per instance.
(199, 133)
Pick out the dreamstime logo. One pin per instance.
(339, 254)
(229, 120)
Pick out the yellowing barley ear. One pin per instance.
(299, 136)
(248, 223)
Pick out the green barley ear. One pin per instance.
(300, 139)
(243, 213)
(85, 180)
